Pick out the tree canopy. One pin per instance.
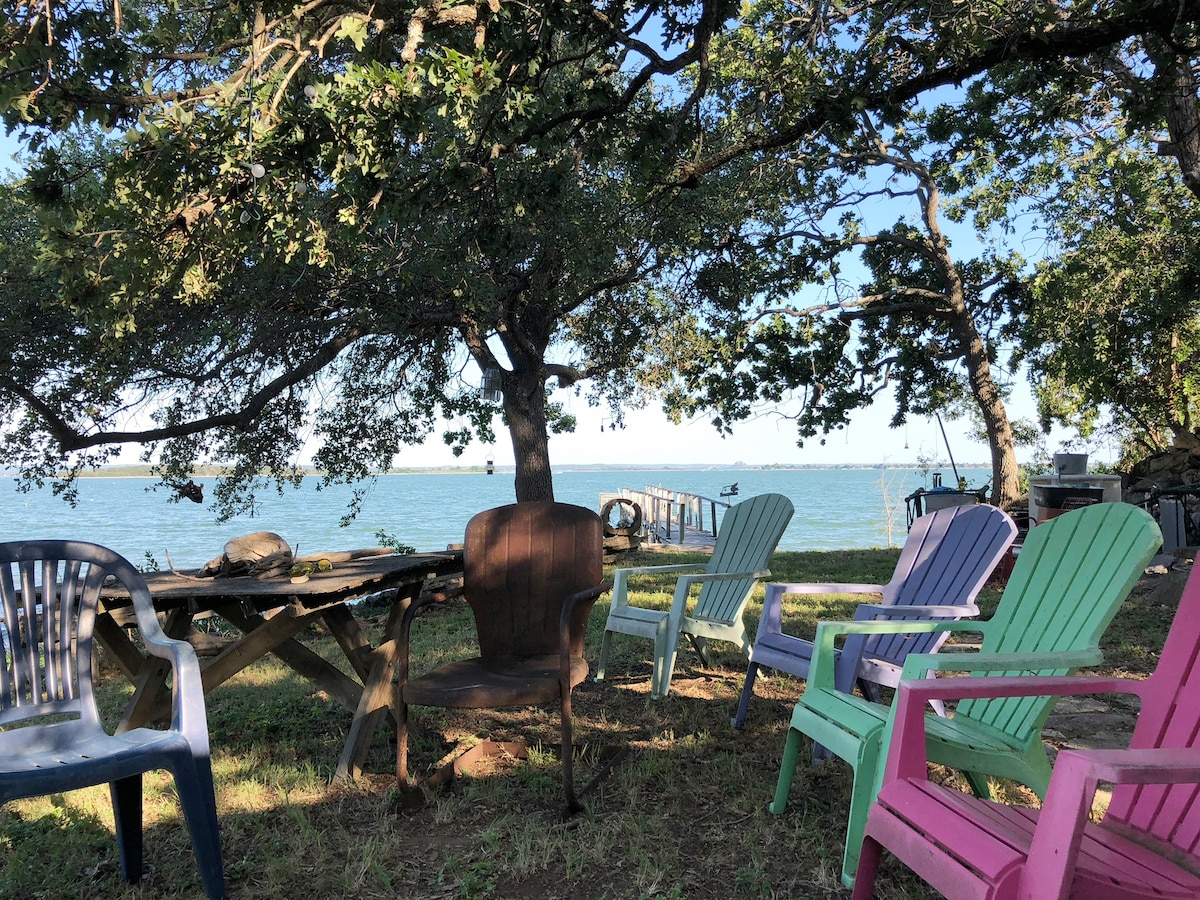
(303, 220)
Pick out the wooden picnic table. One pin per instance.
(270, 612)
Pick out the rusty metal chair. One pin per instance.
(531, 573)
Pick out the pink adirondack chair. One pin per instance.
(1146, 845)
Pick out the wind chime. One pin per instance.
(250, 212)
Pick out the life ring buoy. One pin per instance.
(634, 527)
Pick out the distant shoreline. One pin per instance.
(140, 471)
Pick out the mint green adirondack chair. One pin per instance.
(748, 536)
(1070, 578)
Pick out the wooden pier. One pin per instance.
(677, 519)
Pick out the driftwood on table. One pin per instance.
(262, 554)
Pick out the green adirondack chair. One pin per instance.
(1071, 576)
(747, 538)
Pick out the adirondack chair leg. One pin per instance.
(739, 718)
(868, 770)
(605, 643)
(701, 647)
(787, 771)
(127, 812)
(868, 866)
(870, 690)
(666, 648)
(979, 785)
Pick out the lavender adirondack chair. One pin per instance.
(946, 559)
(1146, 845)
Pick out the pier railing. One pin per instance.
(670, 515)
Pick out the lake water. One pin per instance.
(835, 508)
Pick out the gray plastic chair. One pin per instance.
(49, 591)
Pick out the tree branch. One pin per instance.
(70, 440)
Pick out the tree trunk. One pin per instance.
(1006, 478)
(525, 408)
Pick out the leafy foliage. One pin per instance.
(317, 222)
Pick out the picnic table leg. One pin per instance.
(275, 635)
(355, 645)
(379, 694)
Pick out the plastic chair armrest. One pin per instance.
(188, 714)
(818, 588)
(1059, 830)
(906, 739)
(1150, 765)
(1143, 766)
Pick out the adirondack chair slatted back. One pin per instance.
(1169, 717)
(945, 561)
(749, 533)
(519, 562)
(46, 637)
(1087, 554)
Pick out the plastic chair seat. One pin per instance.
(89, 760)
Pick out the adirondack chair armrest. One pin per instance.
(782, 588)
(1148, 765)
(824, 656)
(868, 611)
(1059, 830)
(918, 665)
(620, 582)
(906, 753)
(771, 620)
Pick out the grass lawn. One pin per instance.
(685, 815)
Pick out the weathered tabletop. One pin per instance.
(292, 606)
